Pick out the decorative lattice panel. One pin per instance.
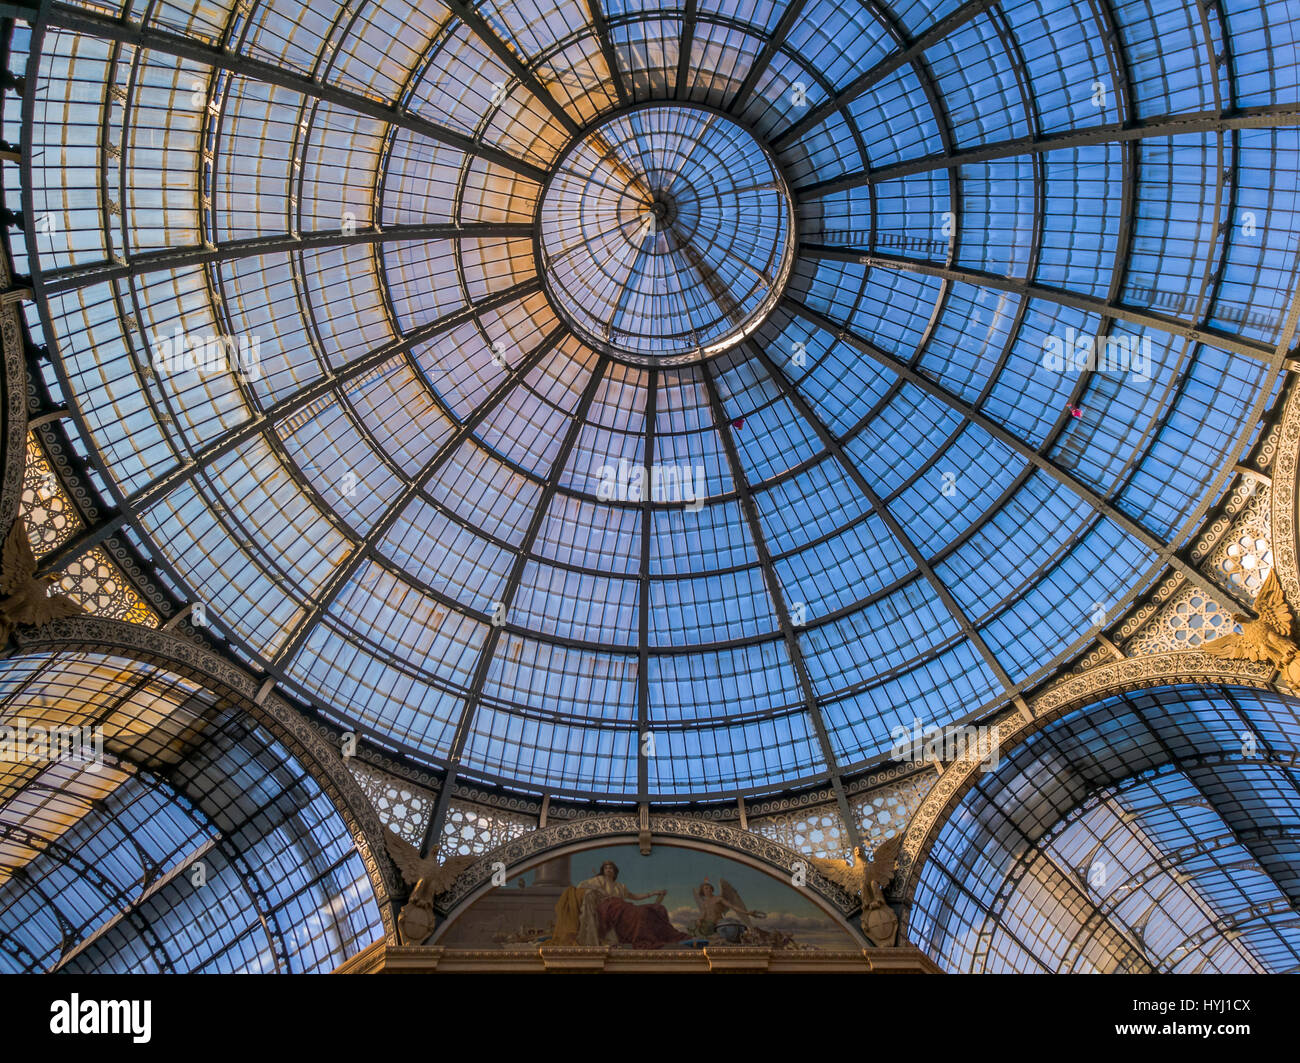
(474, 829)
(1243, 558)
(403, 807)
(94, 581)
(884, 812)
(816, 831)
(1234, 552)
(96, 584)
(51, 520)
(1189, 619)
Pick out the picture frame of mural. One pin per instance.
(674, 898)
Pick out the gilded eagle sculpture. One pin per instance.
(1266, 639)
(427, 878)
(25, 598)
(860, 876)
(868, 878)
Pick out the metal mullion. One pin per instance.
(1191, 776)
(601, 26)
(1260, 352)
(684, 45)
(160, 40)
(1256, 916)
(771, 45)
(896, 529)
(1274, 116)
(107, 888)
(162, 405)
(319, 389)
(911, 52)
(643, 593)
(1129, 151)
(465, 430)
(481, 29)
(1030, 848)
(790, 637)
(303, 130)
(71, 278)
(1164, 551)
(474, 696)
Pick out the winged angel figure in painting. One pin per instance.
(713, 909)
(25, 598)
(1266, 639)
(427, 878)
(868, 878)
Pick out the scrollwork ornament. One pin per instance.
(15, 416)
(1282, 517)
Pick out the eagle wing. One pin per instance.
(881, 868)
(1271, 605)
(407, 857)
(841, 872)
(732, 897)
(18, 563)
(1239, 647)
(53, 607)
(442, 877)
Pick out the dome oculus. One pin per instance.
(666, 234)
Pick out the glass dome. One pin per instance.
(658, 402)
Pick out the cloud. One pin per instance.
(789, 922)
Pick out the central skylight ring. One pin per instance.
(666, 234)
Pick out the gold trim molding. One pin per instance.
(1283, 497)
(380, 958)
(13, 388)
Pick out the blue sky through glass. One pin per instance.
(405, 514)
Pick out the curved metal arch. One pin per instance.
(1151, 873)
(1283, 497)
(151, 779)
(1105, 908)
(169, 787)
(573, 836)
(13, 374)
(1072, 693)
(177, 789)
(106, 887)
(314, 745)
(1238, 926)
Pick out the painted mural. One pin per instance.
(673, 898)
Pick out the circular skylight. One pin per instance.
(666, 233)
